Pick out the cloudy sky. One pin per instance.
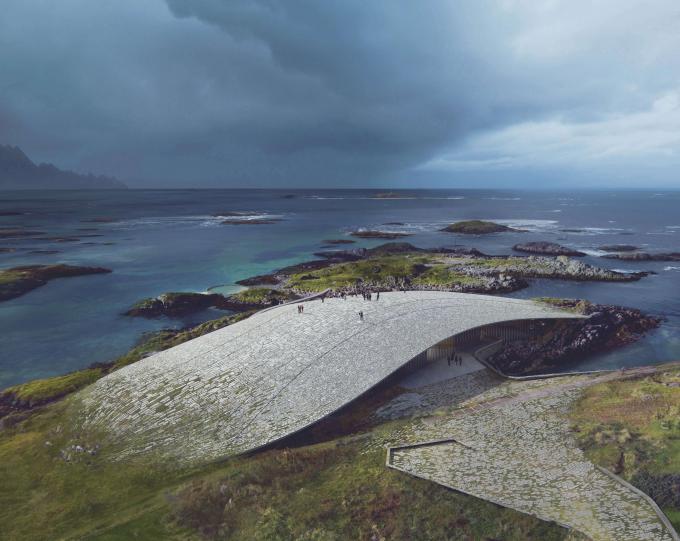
(296, 93)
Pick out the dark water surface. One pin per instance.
(169, 240)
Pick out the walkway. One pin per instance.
(511, 445)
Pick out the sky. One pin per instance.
(353, 93)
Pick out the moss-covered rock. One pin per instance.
(373, 234)
(261, 297)
(17, 281)
(174, 304)
(477, 227)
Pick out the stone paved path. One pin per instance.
(512, 445)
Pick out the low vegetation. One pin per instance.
(60, 485)
(476, 227)
(17, 281)
(632, 427)
(261, 296)
(391, 269)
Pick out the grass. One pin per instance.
(261, 295)
(338, 489)
(45, 497)
(444, 276)
(336, 492)
(383, 270)
(40, 391)
(372, 270)
(476, 227)
(9, 276)
(632, 427)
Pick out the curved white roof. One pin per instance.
(259, 380)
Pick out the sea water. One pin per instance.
(157, 241)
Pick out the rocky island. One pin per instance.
(546, 248)
(477, 227)
(644, 256)
(338, 241)
(373, 234)
(177, 304)
(17, 232)
(254, 221)
(17, 281)
(618, 248)
(403, 266)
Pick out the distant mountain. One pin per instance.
(18, 172)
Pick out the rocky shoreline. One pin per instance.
(17, 281)
(178, 304)
(546, 248)
(608, 327)
(644, 256)
(372, 234)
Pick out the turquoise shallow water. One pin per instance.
(169, 240)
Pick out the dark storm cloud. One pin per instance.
(273, 92)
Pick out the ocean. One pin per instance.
(174, 240)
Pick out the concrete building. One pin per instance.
(257, 381)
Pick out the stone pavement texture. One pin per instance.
(277, 372)
(510, 444)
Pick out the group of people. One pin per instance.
(367, 295)
(455, 358)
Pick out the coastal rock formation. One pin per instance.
(607, 328)
(560, 268)
(17, 281)
(372, 234)
(177, 304)
(338, 241)
(254, 221)
(477, 227)
(400, 265)
(546, 248)
(260, 280)
(16, 232)
(618, 248)
(236, 213)
(644, 256)
(174, 304)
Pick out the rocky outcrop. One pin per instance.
(174, 304)
(260, 280)
(16, 232)
(17, 281)
(178, 304)
(618, 248)
(372, 234)
(608, 327)
(644, 256)
(338, 241)
(546, 248)
(477, 227)
(254, 221)
(560, 268)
